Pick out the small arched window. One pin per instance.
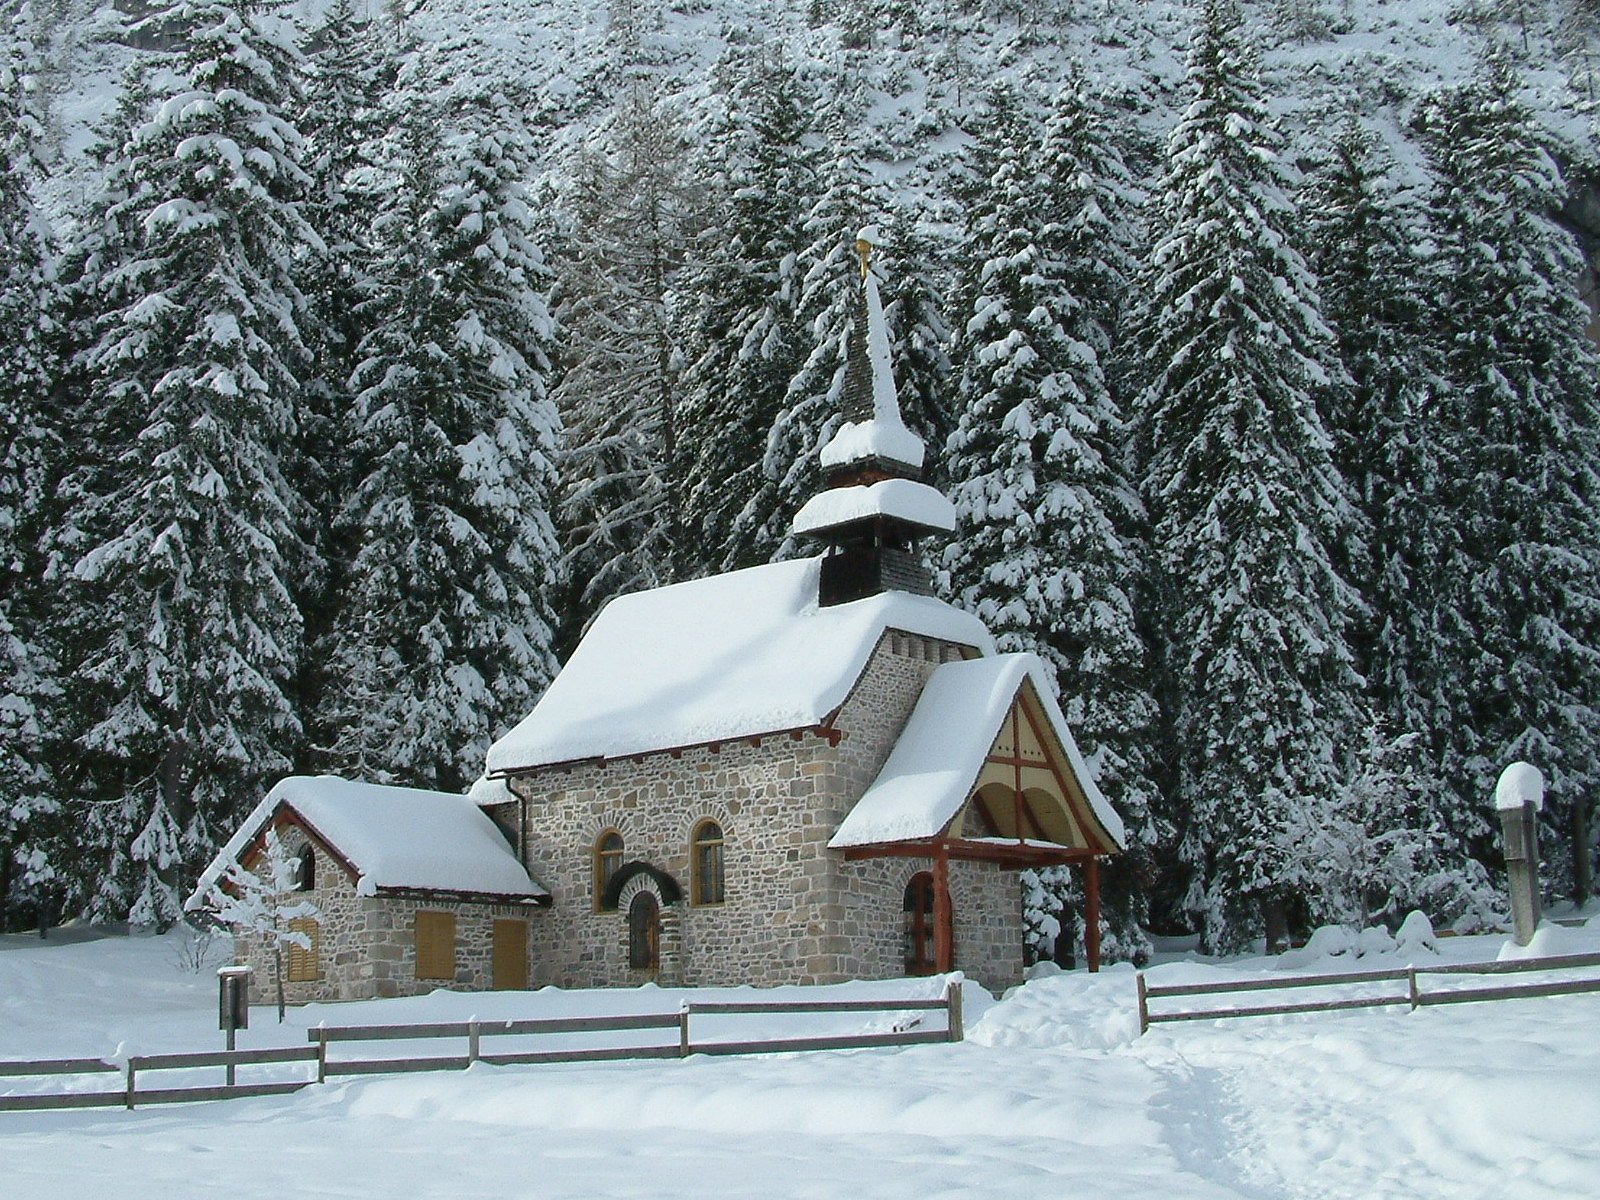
(305, 879)
(644, 933)
(706, 853)
(607, 862)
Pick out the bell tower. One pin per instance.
(873, 507)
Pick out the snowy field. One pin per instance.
(1052, 1095)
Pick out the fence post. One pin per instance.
(322, 1055)
(683, 1029)
(952, 1004)
(473, 1031)
(1411, 988)
(1144, 1005)
(128, 1099)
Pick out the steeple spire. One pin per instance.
(873, 436)
(873, 506)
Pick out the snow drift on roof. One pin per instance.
(394, 837)
(933, 766)
(855, 441)
(912, 502)
(730, 656)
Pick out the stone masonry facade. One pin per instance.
(367, 944)
(794, 911)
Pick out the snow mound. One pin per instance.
(1330, 941)
(1550, 941)
(1065, 1008)
(1416, 935)
(1374, 940)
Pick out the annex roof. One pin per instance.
(392, 837)
(734, 655)
(931, 771)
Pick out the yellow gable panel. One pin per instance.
(1026, 760)
(1029, 747)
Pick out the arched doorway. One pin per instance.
(921, 952)
(644, 932)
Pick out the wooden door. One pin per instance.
(510, 955)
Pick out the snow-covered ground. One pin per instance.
(1052, 1094)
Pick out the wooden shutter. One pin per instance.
(303, 961)
(436, 945)
(510, 955)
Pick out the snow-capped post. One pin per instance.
(233, 1003)
(1519, 796)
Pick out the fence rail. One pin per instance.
(131, 1094)
(1413, 998)
(475, 1031)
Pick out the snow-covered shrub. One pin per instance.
(1372, 849)
(263, 902)
(1415, 935)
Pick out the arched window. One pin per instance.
(607, 862)
(305, 879)
(644, 933)
(919, 926)
(706, 854)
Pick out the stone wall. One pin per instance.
(368, 943)
(795, 911)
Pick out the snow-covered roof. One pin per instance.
(734, 655)
(856, 441)
(933, 766)
(1519, 782)
(910, 501)
(393, 837)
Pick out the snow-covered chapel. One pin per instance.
(799, 773)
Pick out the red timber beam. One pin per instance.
(1014, 854)
(1091, 912)
(944, 937)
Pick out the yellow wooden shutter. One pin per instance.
(303, 961)
(436, 945)
(510, 955)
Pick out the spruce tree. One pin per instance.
(1246, 502)
(738, 314)
(346, 74)
(1519, 439)
(187, 630)
(28, 668)
(915, 309)
(444, 629)
(1038, 460)
(826, 308)
(633, 219)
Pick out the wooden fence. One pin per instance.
(1413, 998)
(682, 1046)
(130, 1093)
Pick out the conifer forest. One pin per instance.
(353, 355)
